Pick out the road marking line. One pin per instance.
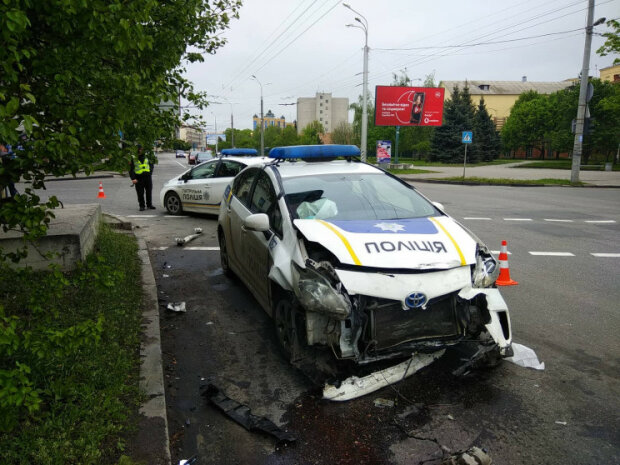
(606, 255)
(477, 218)
(558, 221)
(600, 221)
(201, 248)
(518, 219)
(141, 216)
(180, 164)
(175, 216)
(160, 248)
(553, 254)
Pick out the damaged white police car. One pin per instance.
(345, 255)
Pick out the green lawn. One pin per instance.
(69, 357)
(565, 165)
(504, 181)
(409, 161)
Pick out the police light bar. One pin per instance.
(314, 151)
(239, 152)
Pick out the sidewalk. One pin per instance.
(508, 171)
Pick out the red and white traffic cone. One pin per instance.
(504, 269)
(101, 194)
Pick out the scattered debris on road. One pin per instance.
(563, 423)
(525, 357)
(243, 415)
(190, 461)
(354, 387)
(380, 402)
(473, 456)
(176, 306)
(184, 240)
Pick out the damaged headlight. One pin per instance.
(316, 294)
(486, 271)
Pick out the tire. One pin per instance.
(224, 259)
(173, 204)
(289, 326)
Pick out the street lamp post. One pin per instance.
(583, 89)
(363, 26)
(262, 119)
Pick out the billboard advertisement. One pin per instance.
(408, 106)
(384, 151)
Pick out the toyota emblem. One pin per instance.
(416, 300)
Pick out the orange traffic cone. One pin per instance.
(101, 194)
(504, 269)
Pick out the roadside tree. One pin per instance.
(85, 81)
(311, 135)
(486, 145)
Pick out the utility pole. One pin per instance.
(583, 88)
(262, 119)
(232, 128)
(364, 27)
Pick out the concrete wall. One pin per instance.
(70, 237)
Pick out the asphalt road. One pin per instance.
(565, 307)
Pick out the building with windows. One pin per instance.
(500, 96)
(270, 120)
(611, 73)
(324, 108)
(194, 136)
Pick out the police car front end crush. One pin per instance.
(348, 257)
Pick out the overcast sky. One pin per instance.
(299, 47)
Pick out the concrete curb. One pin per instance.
(82, 176)
(152, 434)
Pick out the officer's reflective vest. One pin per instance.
(142, 167)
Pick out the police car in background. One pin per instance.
(344, 255)
(201, 188)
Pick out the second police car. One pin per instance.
(200, 189)
(344, 255)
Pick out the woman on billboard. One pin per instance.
(417, 107)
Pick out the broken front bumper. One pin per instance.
(381, 325)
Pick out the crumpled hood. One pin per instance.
(415, 243)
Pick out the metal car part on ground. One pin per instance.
(346, 256)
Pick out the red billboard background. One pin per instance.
(408, 106)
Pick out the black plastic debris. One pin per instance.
(243, 415)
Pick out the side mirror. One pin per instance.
(257, 222)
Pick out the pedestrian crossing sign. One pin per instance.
(467, 137)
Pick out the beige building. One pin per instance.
(194, 136)
(611, 73)
(500, 96)
(270, 120)
(324, 108)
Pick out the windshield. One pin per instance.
(353, 197)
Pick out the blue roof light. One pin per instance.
(239, 152)
(314, 151)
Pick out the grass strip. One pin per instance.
(411, 171)
(564, 165)
(79, 334)
(505, 181)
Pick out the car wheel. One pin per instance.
(287, 321)
(173, 204)
(224, 255)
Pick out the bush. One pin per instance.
(68, 356)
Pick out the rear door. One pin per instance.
(237, 212)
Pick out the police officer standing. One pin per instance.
(140, 171)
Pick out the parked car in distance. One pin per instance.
(180, 154)
(200, 189)
(351, 259)
(203, 156)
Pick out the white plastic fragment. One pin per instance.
(176, 306)
(563, 423)
(184, 240)
(354, 387)
(525, 357)
(380, 402)
(165, 275)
